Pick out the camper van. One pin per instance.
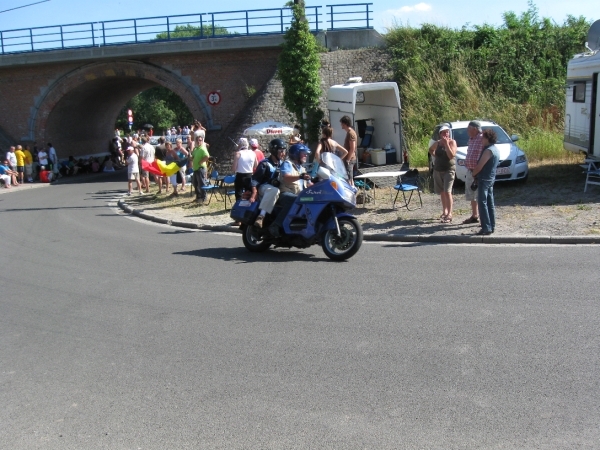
(374, 109)
(582, 112)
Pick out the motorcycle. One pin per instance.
(318, 216)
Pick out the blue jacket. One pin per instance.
(265, 173)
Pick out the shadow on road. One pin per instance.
(241, 255)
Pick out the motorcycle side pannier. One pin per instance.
(244, 211)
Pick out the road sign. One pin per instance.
(214, 98)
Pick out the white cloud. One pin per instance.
(418, 8)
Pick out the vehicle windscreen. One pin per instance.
(335, 164)
(462, 138)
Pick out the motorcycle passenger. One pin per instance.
(265, 178)
(293, 180)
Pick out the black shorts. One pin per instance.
(20, 169)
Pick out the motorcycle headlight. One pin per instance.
(521, 159)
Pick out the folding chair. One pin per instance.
(212, 186)
(228, 191)
(367, 138)
(592, 174)
(409, 183)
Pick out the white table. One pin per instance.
(372, 175)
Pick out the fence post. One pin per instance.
(201, 28)
(247, 26)
(31, 38)
(103, 34)
(93, 38)
(367, 15)
(281, 18)
(62, 42)
(331, 15)
(135, 28)
(1, 42)
(212, 16)
(317, 17)
(168, 29)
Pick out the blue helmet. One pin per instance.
(295, 150)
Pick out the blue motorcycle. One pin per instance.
(318, 216)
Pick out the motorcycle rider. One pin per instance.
(293, 180)
(264, 181)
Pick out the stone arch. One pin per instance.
(77, 112)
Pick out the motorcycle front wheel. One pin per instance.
(347, 244)
(252, 241)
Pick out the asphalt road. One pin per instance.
(121, 334)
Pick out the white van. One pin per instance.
(376, 103)
(582, 111)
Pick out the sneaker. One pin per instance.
(259, 221)
(128, 194)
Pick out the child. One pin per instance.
(133, 171)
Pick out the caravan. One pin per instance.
(582, 112)
(373, 108)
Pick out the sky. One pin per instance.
(454, 14)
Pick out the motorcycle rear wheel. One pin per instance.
(339, 248)
(252, 241)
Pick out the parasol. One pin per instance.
(268, 129)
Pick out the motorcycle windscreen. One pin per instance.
(334, 164)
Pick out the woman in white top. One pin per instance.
(244, 164)
(327, 144)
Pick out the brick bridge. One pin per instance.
(72, 97)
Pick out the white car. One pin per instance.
(513, 162)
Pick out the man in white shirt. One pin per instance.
(52, 156)
(147, 154)
(12, 158)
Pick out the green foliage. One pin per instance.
(298, 70)
(159, 107)
(513, 74)
(185, 31)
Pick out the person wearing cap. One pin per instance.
(257, 151)
(244, 165)
(133, 170)
(444, 169)
(485, 173)
(474, 149)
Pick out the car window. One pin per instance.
(460, 136)
(503, 138)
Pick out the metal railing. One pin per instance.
(169, 28)
(352, 16)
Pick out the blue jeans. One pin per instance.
(485, 201)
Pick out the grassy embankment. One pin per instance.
(513, 74)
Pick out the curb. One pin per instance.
(419, 238)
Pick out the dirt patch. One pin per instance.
(550, 203)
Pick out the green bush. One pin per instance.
(513, 74)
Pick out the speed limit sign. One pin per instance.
(214, 98)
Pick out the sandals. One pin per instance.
(447, 219)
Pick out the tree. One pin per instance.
(185, 31)
(157, 106)
(298, 70)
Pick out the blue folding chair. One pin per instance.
(228, 191)
(212, 186)
(408, 184)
